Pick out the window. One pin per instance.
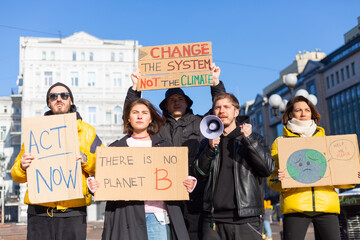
(92, 115)
(91, 79)
(310, 87)
(327, 82)
(121, 57)
(347, 72)
(74, 79)
(337, 77)
(108, 117)
(48, 78)
(353, 68)
(259, 118)
(112, 57)
(117, 115)
(117, 79)
(342, 75)
(2, 133)
(332, 80)
(5, 109)
(82, 56)
(52, 55)
(91, 57)
(74, 56)
(43, 55)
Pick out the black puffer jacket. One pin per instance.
(252, 163)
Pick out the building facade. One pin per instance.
(96, 70)
(333, 79)
(10, 140)
(341, 80)
(302, 66)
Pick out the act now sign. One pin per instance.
(141, 173)
(176, 65)
(54, 174)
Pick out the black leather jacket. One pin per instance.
(252, 163)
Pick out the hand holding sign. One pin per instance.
(215, 71)
(80, 159)
(281, 175)
(26, 159)
(93, 184)
(190, 183)
(135, 76)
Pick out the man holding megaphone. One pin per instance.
(234, 163)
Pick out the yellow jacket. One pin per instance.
(307, 199)
(88, 141)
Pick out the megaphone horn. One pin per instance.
(211, 127)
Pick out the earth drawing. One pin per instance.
(306, 166)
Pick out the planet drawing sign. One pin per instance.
(319, 161)
(306, 166)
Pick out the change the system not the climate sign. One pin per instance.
(177, 65)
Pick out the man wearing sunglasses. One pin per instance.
(62, 219)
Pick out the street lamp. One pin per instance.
(278, 104)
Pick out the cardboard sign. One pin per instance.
(177, 65)
(54, 174)
(141, 173)
(319, 161)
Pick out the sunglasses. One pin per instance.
(63, 95)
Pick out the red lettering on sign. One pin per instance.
(162, 179)
(176, 51)
(203, 49)
(164, 51)
(152, 52)
(196, 51)
(152, 82)
(186, 50)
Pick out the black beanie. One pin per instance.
(62, 85)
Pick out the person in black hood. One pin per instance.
(234, 164)
(182, 128)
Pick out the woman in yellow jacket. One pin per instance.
(300, 206)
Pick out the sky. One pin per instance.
(252, 41)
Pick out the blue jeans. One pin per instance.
(267, 228)
(155, 230)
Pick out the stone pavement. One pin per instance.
(13, 231)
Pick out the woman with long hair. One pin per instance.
(137, 220)
(300, 206)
